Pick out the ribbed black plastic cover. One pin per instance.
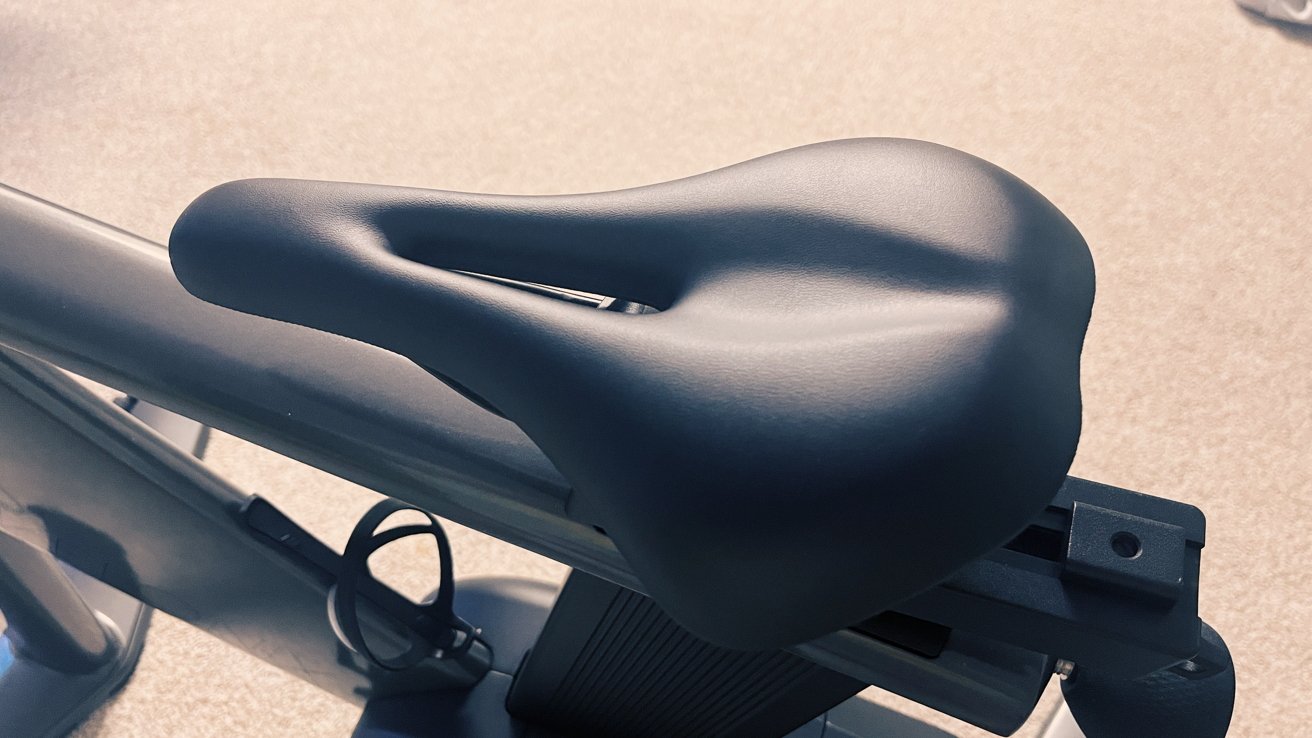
(610, 662)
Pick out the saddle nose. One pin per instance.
(860, 372)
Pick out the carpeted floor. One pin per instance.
(1177, 136)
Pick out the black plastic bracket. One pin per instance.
(1125, 551)
(1104, 577)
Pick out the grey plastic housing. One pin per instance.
(859, 343)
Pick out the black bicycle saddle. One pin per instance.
(861, 371)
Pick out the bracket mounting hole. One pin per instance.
(1126, 545)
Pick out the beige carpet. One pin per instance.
(1176, 135)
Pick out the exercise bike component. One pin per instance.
(609, 662)
(182, 540)
(436, 630)
(71, 640)
(858, 343)
(979, 644)
(1191, 699)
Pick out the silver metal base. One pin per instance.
(39, 701)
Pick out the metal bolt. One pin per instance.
(1064, 668)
